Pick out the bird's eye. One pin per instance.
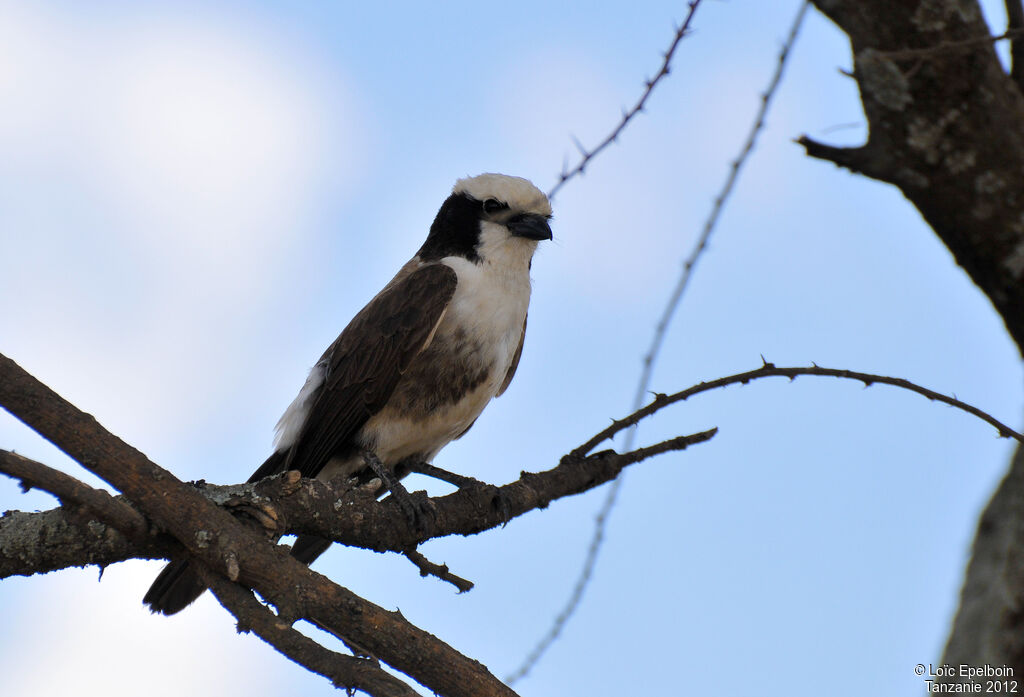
(493, 205)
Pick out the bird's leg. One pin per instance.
(413, 512)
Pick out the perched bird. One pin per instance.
(414, 368)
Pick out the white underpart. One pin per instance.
(489, 306)
(289, 426)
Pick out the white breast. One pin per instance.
(487, 310)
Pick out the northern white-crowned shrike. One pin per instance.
(414, 368)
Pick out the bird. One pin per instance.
(416, 366)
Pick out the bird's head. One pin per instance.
(489, 216)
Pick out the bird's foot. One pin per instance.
(416, 509)
(500, 501)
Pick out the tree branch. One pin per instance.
(72, 492)
(343, 671)
(351, 517)
(222, 543)
(441, 571)
(627, 116)
(37, 543)
(219, 542)
(770, 370)
(946, 125)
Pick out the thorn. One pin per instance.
(579, 145)
(765, 365)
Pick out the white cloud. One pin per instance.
(159, 169)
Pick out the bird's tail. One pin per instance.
(174, 589)
(178, 585)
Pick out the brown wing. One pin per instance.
(368, 359)
(515, 362)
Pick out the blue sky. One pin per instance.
(196, 197)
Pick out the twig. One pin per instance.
(73, 492)
(716, 210)
(627, 115)
(429, 568)
(1015, 23)
(428, 470)
(676, 444)
(769, 370)
(656, 342)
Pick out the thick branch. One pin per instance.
(946, 126)
(37, 543)
(352, 517)
(71, 491)
(343, 671)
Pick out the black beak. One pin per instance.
(530, 225)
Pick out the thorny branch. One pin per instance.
(643, 384)
(770, 370)
(627, 115)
